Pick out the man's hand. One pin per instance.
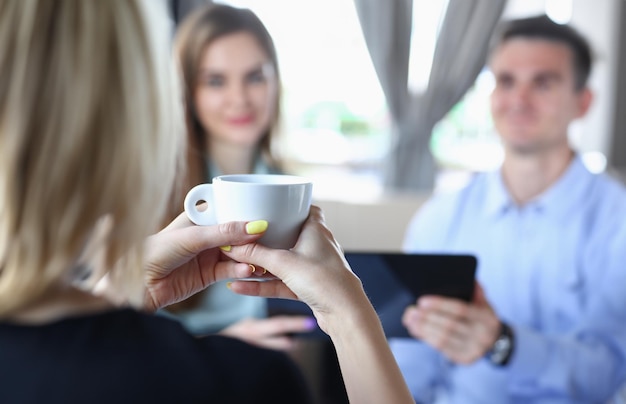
(463, 332)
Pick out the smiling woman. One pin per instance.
(232, 93)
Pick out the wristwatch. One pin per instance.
(502, 350)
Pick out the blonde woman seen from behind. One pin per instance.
(87, 153)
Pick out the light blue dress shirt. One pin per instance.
(554, 269)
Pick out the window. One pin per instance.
(465, 137)
(334, 115)
(336, 125)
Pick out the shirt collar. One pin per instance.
(558, 200)
(568, 192)
(497, 198)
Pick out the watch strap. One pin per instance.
(502, 349)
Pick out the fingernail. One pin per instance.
(256, 226)
(311, 323)
(229, 284)
(225, 248)
(252, 268)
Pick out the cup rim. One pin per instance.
(263, 179)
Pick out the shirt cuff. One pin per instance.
(530, 354)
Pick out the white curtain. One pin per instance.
(460, 55)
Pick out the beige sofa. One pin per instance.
(373, 225)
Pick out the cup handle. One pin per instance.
(201, 192)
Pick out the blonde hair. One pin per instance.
(89, 130)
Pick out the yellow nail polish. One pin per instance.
(252, 267)
(225, 248)
(256, 226)
(229, 284)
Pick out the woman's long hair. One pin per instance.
(90, 132)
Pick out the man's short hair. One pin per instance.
(542, 27)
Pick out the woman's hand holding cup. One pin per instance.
(316, 272)
(313, 271)
(183, 259)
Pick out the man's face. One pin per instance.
(535, 98)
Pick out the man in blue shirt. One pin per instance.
(548, 320)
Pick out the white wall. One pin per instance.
(598, 20)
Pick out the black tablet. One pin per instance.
(393, 281)
(450, 275)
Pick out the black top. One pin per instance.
(125, 356)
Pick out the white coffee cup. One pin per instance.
(283, 200)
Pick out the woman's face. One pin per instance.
(236, 90)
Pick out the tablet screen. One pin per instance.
(392, 281)
(450, 275)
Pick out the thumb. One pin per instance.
(479, 295)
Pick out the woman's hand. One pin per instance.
(316, 272)
(183, 259)
(273, 332)
(313, 271)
